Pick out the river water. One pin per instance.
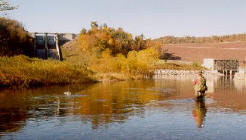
(147, 109)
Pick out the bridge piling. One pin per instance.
(231, 74)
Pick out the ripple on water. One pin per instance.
(180, 101)
(162, 90)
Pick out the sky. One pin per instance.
(153, 18)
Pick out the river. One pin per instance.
(146, 109)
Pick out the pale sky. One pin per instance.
(153, 18)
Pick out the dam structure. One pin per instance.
(48, 45)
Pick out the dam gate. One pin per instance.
(48, 45)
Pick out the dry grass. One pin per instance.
(161, 64)
(25, 72)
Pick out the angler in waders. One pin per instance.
(200, 86)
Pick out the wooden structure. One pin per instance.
(227, 67)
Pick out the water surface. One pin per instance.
(147, 109)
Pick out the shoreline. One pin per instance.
(167, 73)
(117, 77)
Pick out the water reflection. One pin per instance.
(199, 113)
(164, 103)
(116, 102)
(98, 104)
(13, 112)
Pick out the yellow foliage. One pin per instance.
(25, 71)
(136, 63)
(103, 37)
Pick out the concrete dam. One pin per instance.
(47, 45)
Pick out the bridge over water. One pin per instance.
(224, 66)
(47, 45)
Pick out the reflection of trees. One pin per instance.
(99, 104)
(18, 105)
(13, 110)
(115, 103)
(199, 113)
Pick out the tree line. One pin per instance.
(210, 39)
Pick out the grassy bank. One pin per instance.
(161, 64)
(23, 71)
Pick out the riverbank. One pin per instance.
(22, 71)
(100, 54)
(183, 74)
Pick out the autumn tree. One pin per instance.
(14, 39)
(100, 38)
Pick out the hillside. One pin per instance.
(198, 51)
(209, 39)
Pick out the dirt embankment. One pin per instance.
(197, 52)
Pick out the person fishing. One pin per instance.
(200, 85)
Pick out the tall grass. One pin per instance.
(24, 71)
